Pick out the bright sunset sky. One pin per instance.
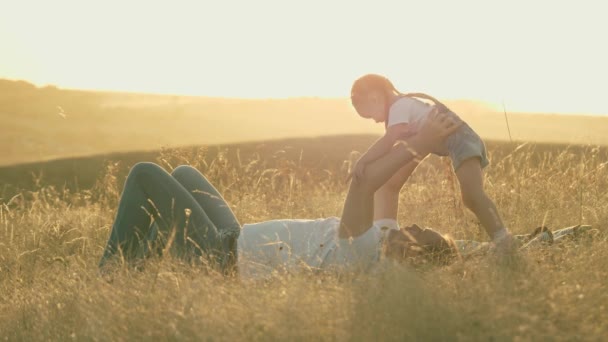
(536, 55)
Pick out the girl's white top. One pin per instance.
(289, 245)
(409, 111)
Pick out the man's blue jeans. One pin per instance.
(186, 210)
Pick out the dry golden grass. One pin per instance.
(52, 238)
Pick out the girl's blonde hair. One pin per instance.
(374, 82)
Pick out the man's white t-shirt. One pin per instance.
(289, 245)
(408, 110)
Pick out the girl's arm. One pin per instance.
(381, 147)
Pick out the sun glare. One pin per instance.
(514, 52)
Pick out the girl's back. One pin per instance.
(408, 109)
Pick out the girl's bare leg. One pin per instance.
(470, 176)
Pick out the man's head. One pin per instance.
(414, 241)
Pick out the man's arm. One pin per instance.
(358, 213)
(383, 145)
(386, 199)
(378, 149)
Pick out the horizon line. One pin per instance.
(497, 107)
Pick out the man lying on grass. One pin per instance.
(195, 223)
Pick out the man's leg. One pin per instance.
(214, 205)
(207, 196)
(151, 191)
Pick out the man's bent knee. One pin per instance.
(144, 167)
(183, 170)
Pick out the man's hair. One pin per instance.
(442, 251)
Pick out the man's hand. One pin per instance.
(358, 171)
(433, 132)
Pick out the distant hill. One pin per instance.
(322, 153)
(44, 123)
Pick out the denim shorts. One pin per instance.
(465, 144)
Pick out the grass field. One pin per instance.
(52, 235)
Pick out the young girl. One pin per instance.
(375, 97)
